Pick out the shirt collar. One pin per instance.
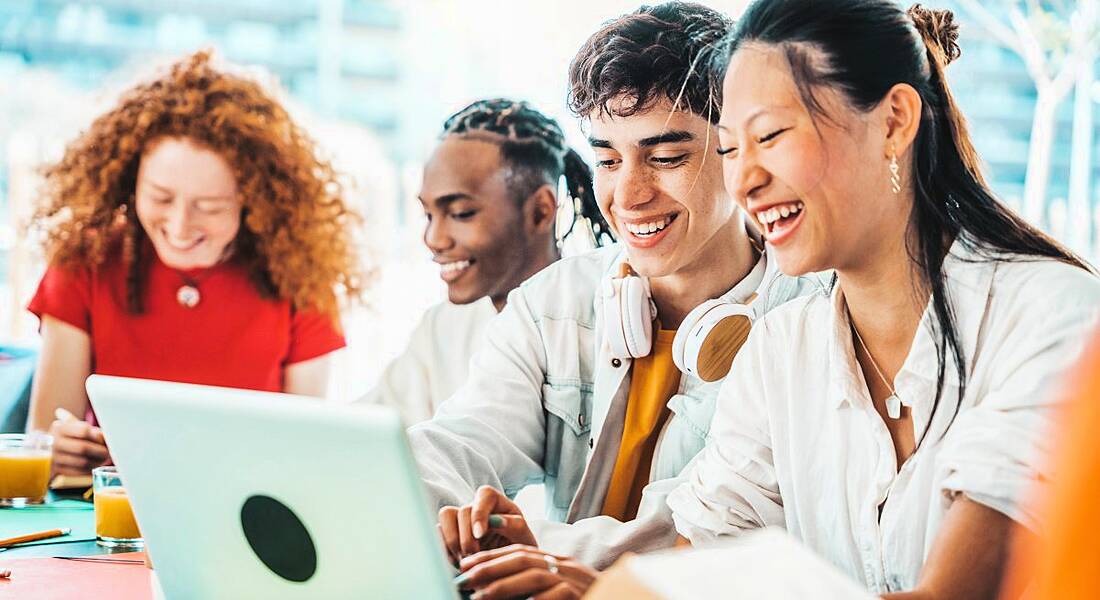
(968, 277)
(758, 280)
(844, 378)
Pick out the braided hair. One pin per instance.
(534, 149)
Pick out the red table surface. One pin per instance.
(59, 579)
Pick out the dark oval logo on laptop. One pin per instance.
(279, 538)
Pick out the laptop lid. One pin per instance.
(245, 494)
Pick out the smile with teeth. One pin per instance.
(772, 215)
(181, 244)
(651, 228)
(454, 267)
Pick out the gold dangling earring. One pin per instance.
(895, 177)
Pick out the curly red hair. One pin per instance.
(295, 237)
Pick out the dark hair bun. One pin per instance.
(939, 30)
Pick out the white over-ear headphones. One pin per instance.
(628, 314)
(710, 335)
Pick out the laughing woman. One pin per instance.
(193, 235)
(892, 424)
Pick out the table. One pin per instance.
(60, 511)
(38, 572)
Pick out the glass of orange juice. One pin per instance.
(115, 526)
(24, 468)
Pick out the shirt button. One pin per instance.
(580, 420)
(591, 443)
(616, 363)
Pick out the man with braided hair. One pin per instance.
(490, 197)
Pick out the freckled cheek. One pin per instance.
(681, 183)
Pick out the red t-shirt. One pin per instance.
(232, 338)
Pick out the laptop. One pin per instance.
(245, 494)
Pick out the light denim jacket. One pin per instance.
(545, 403)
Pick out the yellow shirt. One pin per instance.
(654, 379)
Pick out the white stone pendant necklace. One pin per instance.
(893, 403)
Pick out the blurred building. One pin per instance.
(997, 94)
(339, 57)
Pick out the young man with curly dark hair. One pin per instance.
(585, 382)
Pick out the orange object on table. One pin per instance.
(1065, 563)
(24, 474)
(113, 516)
(34, 537)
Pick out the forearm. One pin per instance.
(43, 406)
(456, 455)
(63, 366)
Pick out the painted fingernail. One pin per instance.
(479, 530)
(496, 521)
(461, 580)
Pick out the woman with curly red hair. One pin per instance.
(192, 235)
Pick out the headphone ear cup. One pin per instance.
(614, 329)
(713, 334)
(637, 319)
(688, 329)
(721, 346)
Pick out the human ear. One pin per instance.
(902, 106)
(541, 209)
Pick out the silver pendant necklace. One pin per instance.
(893, 403)
(188, 294)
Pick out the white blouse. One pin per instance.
(797, 443)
